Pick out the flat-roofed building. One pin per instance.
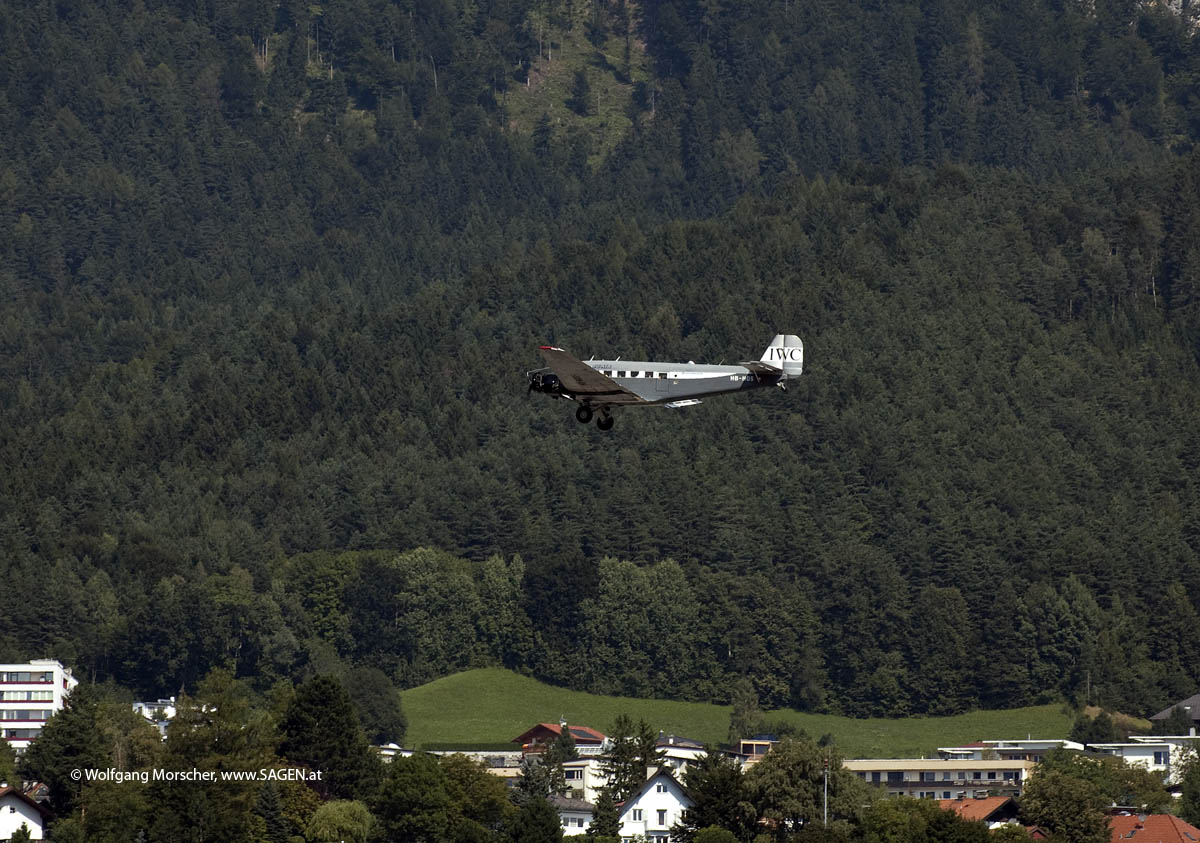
(751, 750)
(1162, 755)
(30, 693)
(1029, 749)
(940, 778)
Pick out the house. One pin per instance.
(389, 752)
(656, 806)
(585, 777)
(17, 809)
(157, 711)
(587, 740)
(751, 750)
(940, 778)
(1191, 705)
(1152, 828)
(678, 751)
(575, 814)
(160, 712)
(30, 693)
(993, 810)
(1152, 755)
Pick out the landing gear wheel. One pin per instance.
(584, 414)
(605, 422)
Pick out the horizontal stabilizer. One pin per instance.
(758, 367)
(674, 405)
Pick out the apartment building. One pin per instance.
(30, 693)
(939, 778)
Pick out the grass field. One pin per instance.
(492, 705)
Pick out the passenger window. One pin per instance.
(620, 374)
(662, 375)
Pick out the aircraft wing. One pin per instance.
(760, 368)
(584, 382)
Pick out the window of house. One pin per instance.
(1160, 758)
(977, 775)
(928, 777)
(662, 816)
(660, 788)
(945, 794)
(895, 777)
(637, 815)
(991, 774)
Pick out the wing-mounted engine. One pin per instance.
(546, 382)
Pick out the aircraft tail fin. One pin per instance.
(787, 352)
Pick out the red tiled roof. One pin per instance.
(976, 809)
(1153, 828)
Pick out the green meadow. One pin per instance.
(491, 705)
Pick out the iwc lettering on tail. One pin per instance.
(796, 354)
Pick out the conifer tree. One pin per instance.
(581, 94)
(270, 809)
(71, 740)
(321, 731)
(606, 821)
(536, 822)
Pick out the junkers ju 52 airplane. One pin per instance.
(600, 386)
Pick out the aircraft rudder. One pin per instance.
(786, 351)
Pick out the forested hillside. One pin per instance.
(272, 276)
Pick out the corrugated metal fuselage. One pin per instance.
(664, 383)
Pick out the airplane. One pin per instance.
(601, 386)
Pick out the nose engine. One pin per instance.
(546, 382)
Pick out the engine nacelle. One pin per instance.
(545, 382)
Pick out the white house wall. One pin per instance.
(14, 812)
(663, 795)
